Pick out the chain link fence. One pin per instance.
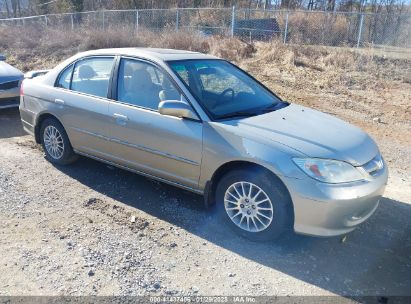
(295, 27)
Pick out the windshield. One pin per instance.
(223, 89)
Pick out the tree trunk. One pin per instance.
(6, 3)
(14, 8)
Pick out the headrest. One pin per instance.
(142, 78)
(86, 72)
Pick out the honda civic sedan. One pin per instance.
(202, 124)
(10, 79)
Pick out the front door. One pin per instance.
(142, 138)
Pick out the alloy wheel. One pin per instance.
(53, 141)
(248, 206)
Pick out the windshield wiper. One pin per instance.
(275, 107)
(238, 114)
(249, 113)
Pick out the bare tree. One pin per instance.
(16, 7)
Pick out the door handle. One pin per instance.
(120, 118)
(59, 101)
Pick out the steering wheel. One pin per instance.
(226, 91)
(213, 103)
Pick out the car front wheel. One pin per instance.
(254, 203)
(55, 143)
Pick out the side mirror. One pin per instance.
(2, 57)
(176, 108)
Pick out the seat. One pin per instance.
(140, 90)
(86, 72)
(87, 82)
(82, 82)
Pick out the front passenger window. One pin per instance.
(144, 85)
(92, 76)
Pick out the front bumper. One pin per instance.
(322, 209)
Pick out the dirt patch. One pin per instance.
(68, 231)
(119, 215)
(32, 145)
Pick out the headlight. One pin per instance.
(328, 171)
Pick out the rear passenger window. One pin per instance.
(65, 77)
(92, 76)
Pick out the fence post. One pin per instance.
(72, 21)
(232, 21)
(360, 30)
(177, 18)
(104, 21)
(137, 17)
(286, 28)
(45, 19)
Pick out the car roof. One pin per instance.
(150, 53)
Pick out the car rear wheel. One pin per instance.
(255, 204)
(55, 143)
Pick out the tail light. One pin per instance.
(21, 89)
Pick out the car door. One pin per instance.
(143, 139)
(81, 93)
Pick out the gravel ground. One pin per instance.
(91, 229)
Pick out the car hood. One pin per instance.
(312, 133)
(9, 73)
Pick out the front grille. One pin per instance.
(9, 85)
(374, 166)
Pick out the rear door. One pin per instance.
(142, 138)
(81, 92)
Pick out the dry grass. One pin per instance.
(34, 48)
(318, 28)
(321, 67)
(331, 67)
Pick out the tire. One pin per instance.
(271, 187)
(64, 155)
